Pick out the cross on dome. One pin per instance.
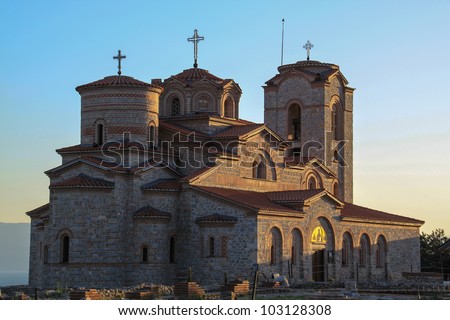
(308, 46)
(119, 57)
(195, 39)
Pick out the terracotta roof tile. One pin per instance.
(216, 218)
(294, 196)
(178, 128)
(152, 213)
(118, 81)
(83, 181)
(38, 210)
(163, 185)
(238, 131)
(255, 200)
(353, 211)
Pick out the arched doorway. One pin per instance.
(319, 245)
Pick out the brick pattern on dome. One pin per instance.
(195, 74)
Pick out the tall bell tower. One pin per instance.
(309, 104)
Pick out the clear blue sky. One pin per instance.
(396, 54)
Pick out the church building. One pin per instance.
(167, 177)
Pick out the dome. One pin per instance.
(119, 81)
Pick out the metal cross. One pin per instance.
(119, 57)
(308, 46)
(195, 39)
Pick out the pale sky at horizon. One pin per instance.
(395, 53)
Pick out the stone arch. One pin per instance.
(347, 250)
(381, 250)
(307, 177)
(335, 189)
(64, 236)
(336, 118)
(229, 107)
(275, 247)
(322, 249)
(296, 252)
(364, 250)
(263, 157)
(169, 102)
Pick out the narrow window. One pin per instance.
(312, 184)
(175, 107)
(211, 247)
(293, 258)
(294, 122)
(145, 254)
(65, 241)
(100, 134)
(172, 250)
(228, 108)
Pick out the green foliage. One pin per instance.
(430, 257)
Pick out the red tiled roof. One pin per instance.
(216, 218)
(177, 128)
(38, 210)
(115, 81)
(150, 212)
(163, 185)
(353, 211)
(83, 181)
(255, 200)
(193, 176)
(292, 196)
(205, 115)
(238, 131)
(194, 74)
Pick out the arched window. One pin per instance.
(211, 247)
(312, 183)
(144, 252)
(347, 250)
(65, 242)
(45, 254)
(228, 108)
(151, 134)
(275, 246)
(294, 122)
(175, 107)
(364, 251)
(260, 169)
(172, 249)
(381, 252)
(99, 134)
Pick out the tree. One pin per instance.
(431, 259)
